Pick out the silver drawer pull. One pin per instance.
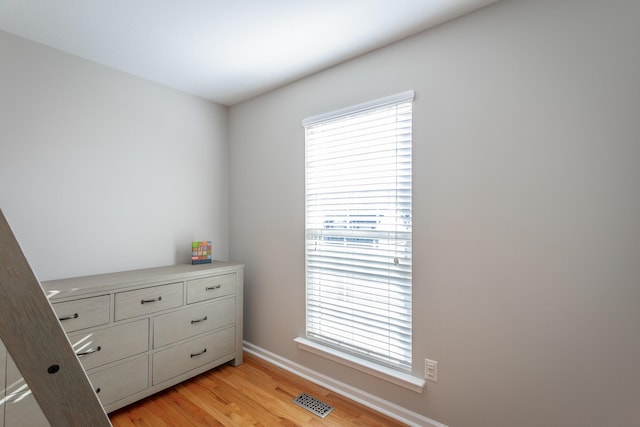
(212, 288)
(146, 301)
(73, 316)
(198, 354)
(92, 350)
(199, 320)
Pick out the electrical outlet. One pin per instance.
(431, 370)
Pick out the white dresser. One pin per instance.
(139, 332)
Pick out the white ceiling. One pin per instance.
(226, 51)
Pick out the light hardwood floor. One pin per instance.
(255, 393)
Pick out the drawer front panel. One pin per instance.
(120, 381)
(148, 300)
(192, 354)
(193, 321)
(111, 344)
(3, 360)
(83, 313)
(21, 408)
(210, 287)
(24, 412)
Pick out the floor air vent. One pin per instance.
(313, 405)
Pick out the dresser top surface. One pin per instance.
(78, 286)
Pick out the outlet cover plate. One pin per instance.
(431, 370)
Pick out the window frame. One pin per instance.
(396, 374)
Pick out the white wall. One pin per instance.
(101, 171)
(526, 212)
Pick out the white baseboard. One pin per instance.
(380, 405)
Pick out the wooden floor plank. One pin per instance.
(256, 394)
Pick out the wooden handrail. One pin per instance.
(38, 345)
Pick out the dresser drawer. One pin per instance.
(182, 358)
(120, 381)
(108, 345)
(83, 313)
(20, 407)
(148, 300)
(210, 287)
(195, 320)
(3, 363)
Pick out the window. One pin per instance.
(358, 230)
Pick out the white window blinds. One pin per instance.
(358, 230)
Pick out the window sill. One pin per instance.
(399, 378)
